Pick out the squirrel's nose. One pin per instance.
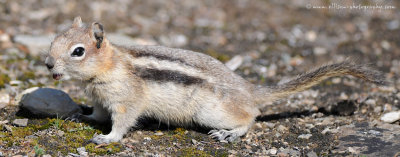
(49, 62)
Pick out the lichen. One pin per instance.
(4, 79)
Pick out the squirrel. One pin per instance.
(175, 86)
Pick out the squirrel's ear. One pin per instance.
(77, 22)
(97, 33)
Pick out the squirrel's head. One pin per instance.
(80, 52)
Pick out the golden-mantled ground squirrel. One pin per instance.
(175, 86)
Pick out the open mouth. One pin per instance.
(57, 76)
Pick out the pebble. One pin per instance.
(269, 124)
(8, 128)
(4, 99)
(387, 107)
(82, 151)
(4, 122)
(318, 51)
(392, 25)
(46, 155)
(305, 136)
(234, 63)
(258, 126)
(282, 128)
(60, 133)
(31, 137)
(311, 36)
(147, 138)
(391, 117)
(272, 151)
(312, 154)
(378, 109)
(20, 122)
(159, 133)
(35, 43)
(194, 142)
(370, 102)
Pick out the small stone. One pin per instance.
(391, 117)
(343, 96)
(4, 122)
(336, 80)
(305, 136)
(378, 109)
(31, 137)
(194, 142)
(234, 63)
(20, 122)
(318, 51)
(385, 45)
(272, 151)
(46, 155)
(159, 133)
(374, 132)
(312, 154)
(325, 130)
(147, 138)
(258, 126)
(8, 128)
(282, 128)
(269, 124)
(352, 150)
(232, 151)
(387, 107)
(4, 100)
(311, 36)
(392, 25)
(309, 126)
(223, 141)
(60, 133)
(82, 151)
(370, 102)
(35, 43)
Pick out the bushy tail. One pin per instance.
(265, 95)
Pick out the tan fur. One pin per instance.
(175, 86)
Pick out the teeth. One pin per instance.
(57, 76)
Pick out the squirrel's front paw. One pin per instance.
(76, 117)
(99, 139)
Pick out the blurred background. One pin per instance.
(275, 38)
(271, 41)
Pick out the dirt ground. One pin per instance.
(276, 40)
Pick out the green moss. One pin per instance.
(4, 79)
(189, 152)
(27, 75)
(222, 57)
(109, 149)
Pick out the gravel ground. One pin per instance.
(274, 41)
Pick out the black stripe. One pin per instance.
(166, 76)
(160, 57)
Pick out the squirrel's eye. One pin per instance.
(79, 51)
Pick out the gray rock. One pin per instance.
(312, 154)
(305, 136)
(82, 151)
(234, 63)
(20, 122)
(291, 152)
(391, 117)
(36, 44)
(49, 103)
